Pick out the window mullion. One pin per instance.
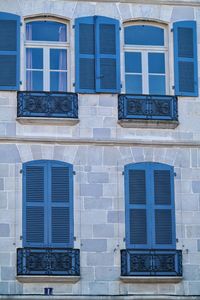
(46, 66)
(145, 72)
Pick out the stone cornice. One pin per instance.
(97, 142)
(152, 2)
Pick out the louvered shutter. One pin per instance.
(137, 214)
(9, 51)
(107, 55)
(61, 205)
(34, 204)
(185, 58)
(85, 54)
(163, 214)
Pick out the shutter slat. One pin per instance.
(163, 226)
(60, 184)
(138, 226)
(9, 51)
(162, 187)
(137, 187)
(60, 225)
(185, 58)
(35, 184)
(34, 225)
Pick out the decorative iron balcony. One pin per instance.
(151, 262)
(47, 104)
(48, 261)
(147, 107)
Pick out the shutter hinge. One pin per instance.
(124, 239)
(172, 29)
(73, 83)
(74, 238)
(74, 173)
(173, 87)
(123, 173)
(121, 85)
(174, 173)
(21, 237)
(177, 240)
(120, 28)
(21, 171)
(73, 26)
(21, 23)
(20, 82)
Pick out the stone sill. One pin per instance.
(37, 279)
(162, 124)
(151, 279)
(47, 121)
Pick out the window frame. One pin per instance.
(144, 50)
(46, 46)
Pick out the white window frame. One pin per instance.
(46, 46)
(144, 50)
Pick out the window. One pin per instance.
(145, 59)
(150, 212)
(47, 204)
(97, 55)
(47, 51)
(9, 51)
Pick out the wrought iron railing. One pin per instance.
(47, 104)
(151, 262)
(147, 107)
(48, 261)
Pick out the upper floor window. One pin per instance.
(47, 50)
(145, 59)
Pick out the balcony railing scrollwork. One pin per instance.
(151, 262)
(148, 107)
(48, 261)
(47, 104)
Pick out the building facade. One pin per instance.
(99, 149)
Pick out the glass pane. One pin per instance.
(134, 84)
(133, 62)
(144, 35)
(157, 84)
(34, 80)
(58, 81)
(34, 58)
(46, 31)
(156, 63)
(58, 59)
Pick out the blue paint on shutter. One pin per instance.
(85, 55)
(107, 55)
(150, 211)
(185, 58)
(9, 51)
(163, 207)
(61, 204)
(34, 204)
(137, 211)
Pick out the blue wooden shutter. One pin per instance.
(107, 55)
(85, 55)
(61, 204)
(9, 51)
(34, 204)
(137, 212)
(185, 58)
(163, 211)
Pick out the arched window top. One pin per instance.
(46, 30)
(143, 34)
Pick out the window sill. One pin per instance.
(47, 278)
(151, 279)
(47, 121)
(130, 123)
